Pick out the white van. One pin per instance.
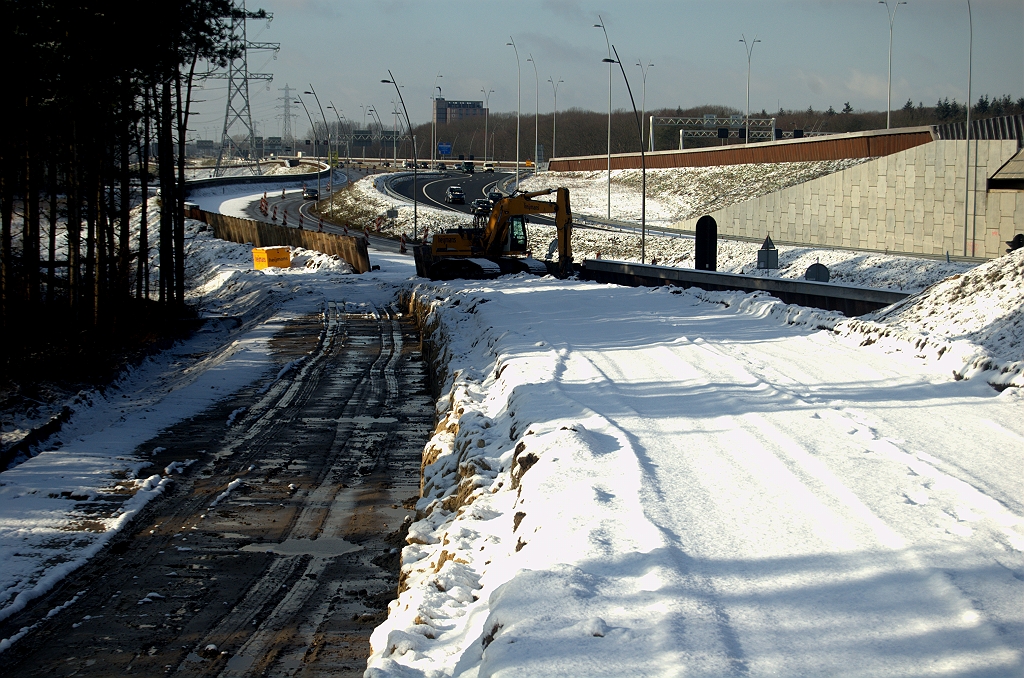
(488, 167)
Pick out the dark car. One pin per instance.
(310, 194)
(455, 195)
(495, 196)
(441, 166)
(481, 206)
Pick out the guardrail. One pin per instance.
(196, 184)
(848, 300)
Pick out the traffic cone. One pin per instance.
(300, 220)
(274, 217)
(346, 229)
(282, 194)
(401, 248)
(320, 226)
(284, 221)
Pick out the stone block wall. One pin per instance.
(911, 202)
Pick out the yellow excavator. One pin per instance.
(500, 246)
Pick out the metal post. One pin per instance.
(967, 135)
(433, 120)
(536, 117)
(750, 48)
(328, 130)
(487, 113)
(892, 19)
(300, 101)
(643, 97)
(609, 44)
(643, 162)
(519, 103)
(415, 187)
(554, 115)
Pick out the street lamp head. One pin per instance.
(390, 82)
(598, 26)
(609, 61)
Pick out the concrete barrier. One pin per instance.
(848, 300)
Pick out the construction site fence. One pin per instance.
(351, 249)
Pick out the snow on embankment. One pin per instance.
(973, 322)
(536, 549)
(678, 193)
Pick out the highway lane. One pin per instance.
(291, 201)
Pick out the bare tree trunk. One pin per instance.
(7, 179)
(124, 231)
(73, 198)
(142, 270)
(167, 197)
(90, 281)
(179, 234)
(51, 259)
(30, 228)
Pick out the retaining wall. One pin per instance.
(833, 147)
(261, 234)
(911, 202)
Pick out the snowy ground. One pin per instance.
(655, 482)
(680, 193)
(634, 482)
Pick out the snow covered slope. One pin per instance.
(655, 482)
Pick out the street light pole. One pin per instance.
(609, 44)
(415, 161)
(967, 165)
(554, 114)
(892, 20)
(519, 102)
(375, 114)
(750, 48)
(643, 99)
(433, 119)
(643, 160)
(487, 114)
(300, 101)
(328, 130)
(536, 117)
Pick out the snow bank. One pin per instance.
(679, 193)
(629, 500)
(971, 322)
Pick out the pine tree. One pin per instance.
(847, 108)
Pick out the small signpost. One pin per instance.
(768, 255)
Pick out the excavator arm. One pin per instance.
(496, 240)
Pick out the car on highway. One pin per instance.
(409, 164)
(441, 166)
(481, 207)
(489, 167)
(495, 196)
(310, 194)
(455, 195)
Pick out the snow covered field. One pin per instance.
(680, 193)
(655, 482)
(629, 481)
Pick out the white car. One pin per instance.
(488, 167)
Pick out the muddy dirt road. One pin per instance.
(276, 551)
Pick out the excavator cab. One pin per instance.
(517, 242)
(501, 245)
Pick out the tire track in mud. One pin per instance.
(288, 574)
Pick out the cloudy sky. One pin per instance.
(816, 53)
